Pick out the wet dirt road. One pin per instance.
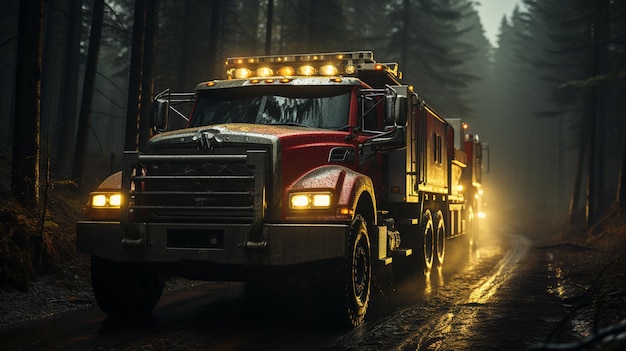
(498, 298)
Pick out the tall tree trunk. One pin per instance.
(26, 130)
(602, 34)
(595, 173)
(53, 59)
(214, 30)
(68, 107)
(88, 85)
(134, 79)
(578, 178)
(268, 27)
(186, 44)
(283, 27)
(621, 187)
(404, 50)
(311, 24)
(147, 72)
(590, 206)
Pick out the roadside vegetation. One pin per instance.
(36, 242)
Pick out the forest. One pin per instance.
(78, 77)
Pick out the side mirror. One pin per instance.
(401, 110)
(395, 139)
(160, 115)
(390, 108)
(160, 112)
(396, 105)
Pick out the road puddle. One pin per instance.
(564, 291)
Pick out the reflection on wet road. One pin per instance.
(506, 267)
(461, 316)
(444, 319)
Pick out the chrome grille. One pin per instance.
(199, 187)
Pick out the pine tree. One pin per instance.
(26, 131)
(88, 89)
(478, 51)
(578, 56)
(424, 40)
(309, 26)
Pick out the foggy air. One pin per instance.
(299, 174)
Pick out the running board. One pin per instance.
(386, 260)
(404, 252)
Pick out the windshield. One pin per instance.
(310, 106)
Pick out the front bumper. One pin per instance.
(284, 244)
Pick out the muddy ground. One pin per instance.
(572, 290)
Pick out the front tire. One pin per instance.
(125, 290)
(358, 273)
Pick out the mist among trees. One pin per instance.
(546, 98)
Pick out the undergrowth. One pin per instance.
(37, 241)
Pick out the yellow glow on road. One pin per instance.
(491, 284)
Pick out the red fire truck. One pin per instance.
(294, 161)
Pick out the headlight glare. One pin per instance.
(306, 70)
(98, 200)
(106, 200)
(242, 73)
(299, 201)
(264, 72)
(115, 200)
(321, 200)
(310, 200)
(329, 70)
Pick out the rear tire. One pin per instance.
(125, 290)
(428, 242)
(472, 231)
(440, 240)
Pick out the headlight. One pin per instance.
(103, 206)
(310, 200)
(111, 200)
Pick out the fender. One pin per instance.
(112, 182)
(346, 185)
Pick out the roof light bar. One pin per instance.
(365, 56)
(324, 64)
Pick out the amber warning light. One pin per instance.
(324, 64)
